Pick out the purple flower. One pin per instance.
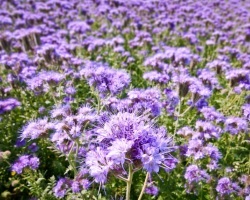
(206, 130)
(152, 190)
(226, 187)
(61, 187)
(25, 161)
(170, 163)
(118, 150)
(36, 129)
(246, 111)
(244, 180)
(186, 132)
(20, 164)
(152, 160)
(183, 80)
(171, 101)
(148, 99)
(8, 105)
(68, 125)
(75, 186)
(195, 149)
(98, 164)
(198, 90)
(70, 90)
(213, 152)
(234, 125)
(219, 65)
(194, 174)
(41, 110)
(208, 78)
(79, 27)
(33, 147)
(157, 77)
(239, 77)
(44, 80)
(34, 163)
(105, 79)
(212, 165)
(61, 111)
(79, 184)
(128, 138)
(184, 56)
(211, 114)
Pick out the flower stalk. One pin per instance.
(144, 186)
(129, 181)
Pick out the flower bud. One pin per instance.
(6, 154)
(5, 194)
(15, 183)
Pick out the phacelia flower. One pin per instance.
(246, 111)
(194, 174)
(105, 79)
(8, 105)
(25, 161)
(36, 129)
(211, 114)
(128, 138)
(234, 125)
(61, 187)
(225, 186)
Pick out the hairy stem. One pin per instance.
(177, 120)
(189, 108)
(129, 182)
(144, 186)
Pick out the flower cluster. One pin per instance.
(226, 186)
(103, 89)
(128, 139)
(8, 105)
(105, 79)
(25, 161)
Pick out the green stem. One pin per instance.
(97, 99)
(7, 162)
(77, 150)
(71, 159)
(129, 182)
(249, 164)
(201, 193)
(144, 186)
(122, 178)
(177, 121)
(182, 114)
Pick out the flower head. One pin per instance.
(194, 174)
(226, 187)
(128, 138)
(8, 105)
(234, 125)
(25, 161)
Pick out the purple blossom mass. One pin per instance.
(128, 138)
(138, 99)
(105, 79)
(194, 174)
(36, 129)
(25, 161)
(8, 105)
(235, 124)
(226, 187)
(61, 187)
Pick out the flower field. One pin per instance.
(125, 100)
